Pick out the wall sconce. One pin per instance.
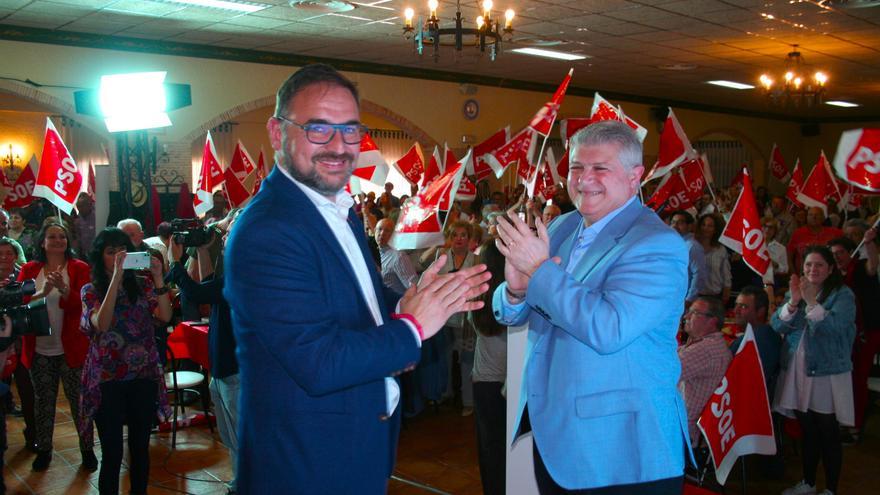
(12, 156)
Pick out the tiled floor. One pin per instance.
(437, 450)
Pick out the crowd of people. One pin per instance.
(633, 319)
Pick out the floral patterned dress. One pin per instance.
(126, 351)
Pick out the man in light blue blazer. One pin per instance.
(602, 291)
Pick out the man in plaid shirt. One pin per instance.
(704, 358)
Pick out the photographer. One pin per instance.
(59, 278)
(221, 340)
(122, 379)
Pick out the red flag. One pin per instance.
(236, 193)
(604, 110)
(91, 185)
(371, 165)
(675, 147)
(736, 421)
(242, 164)
(520, 147)
(419, 223)
(260, 172)
(820, 186)
(560, 171)
(446, 202)
(743, 232)
(59, 179)
(738, 178)
(433, 169)
(22, 192)
(795, 184)
(210, 176)
(542, 122)
(567, 127)
(481, 167)
(412, 164)
(857, 160)
(681, 189)
(467, 191)
(544, 185)
(777, 165)
(185, 203)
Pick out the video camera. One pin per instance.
(190, 232)
(27, 319)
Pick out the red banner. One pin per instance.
(542, 122)
(736, 421)
(59, 179)
(680, 189)
(743, 232)
(22, 192)
(481, 168)
(210, 176)
(795, 184)
(675, 147)
(857, 160)
(520, 147)
(820, 186)
(412, 164)
(777, 165)
(433, 170)
(419, 223)
(371, 164)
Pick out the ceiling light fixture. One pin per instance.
(844, 104)
(550, 54)
(235, 5)
(487, 34)
(730, 84)
(797, 85)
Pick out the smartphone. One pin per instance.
(136, 261)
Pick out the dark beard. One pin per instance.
(311, 179)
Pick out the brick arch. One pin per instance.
(54, 105)
(366, 106)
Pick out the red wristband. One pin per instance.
(412, 319)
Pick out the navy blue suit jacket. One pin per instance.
(312, 361)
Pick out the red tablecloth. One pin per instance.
(190, 341)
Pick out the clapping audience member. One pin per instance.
(717, 280)
(860, 275)
(59, 356)
(122, 379)
(704, 357)
(815, 382)
(221, 339)
(489, 376)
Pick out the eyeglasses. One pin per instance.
(701, 313)
(323, 133)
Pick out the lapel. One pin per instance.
(299, 206)
(607, 240)
(562, 233)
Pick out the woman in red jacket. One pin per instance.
(60, 356)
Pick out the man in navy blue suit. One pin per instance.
(320, 340)
(602, 292)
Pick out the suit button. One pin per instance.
(384, 417)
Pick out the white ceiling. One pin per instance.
(628, 41)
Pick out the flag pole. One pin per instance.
(862, 242)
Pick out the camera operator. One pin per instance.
(221, 341)
(9, 256)
(60, 356)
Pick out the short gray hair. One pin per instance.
(128, 221)
(610, 131)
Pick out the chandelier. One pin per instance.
(798, 84)
(487, 33)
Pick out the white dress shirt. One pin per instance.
(335, 213)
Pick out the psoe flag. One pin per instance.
(371, 165)
(743, 232)
(59, 179)
(210, 176)
(857, 159)
(22, 192)
(736, 421)
(419, 224)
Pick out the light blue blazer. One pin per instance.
(601, 373)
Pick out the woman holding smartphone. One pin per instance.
(122, 379)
